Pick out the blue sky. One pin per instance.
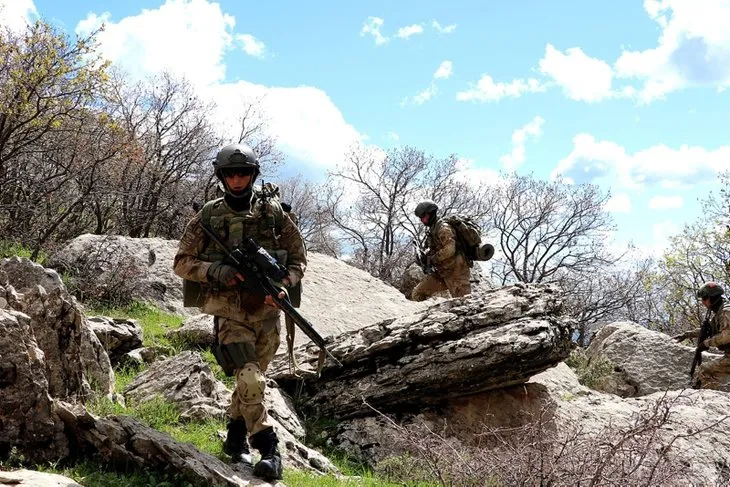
(627, 94)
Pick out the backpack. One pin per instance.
(468, 235)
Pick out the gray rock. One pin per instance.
(118, 336)
(458, 347)
(31, 478)
(646, 361)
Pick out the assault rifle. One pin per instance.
(422, 259)
(705, 332)
(260, 270)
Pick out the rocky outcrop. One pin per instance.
(47, 351)
(458, 347)
(184, 380)
(122, 441)
(644, 361)
(118, 336)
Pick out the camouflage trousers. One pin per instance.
(455, 279)
(715, 375)
(247, 401)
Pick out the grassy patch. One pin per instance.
(14, 249)
(155, 323)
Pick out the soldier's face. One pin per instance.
(706, 302)
(237, 181)
(425, 218)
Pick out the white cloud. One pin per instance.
(190, 38)
(582, 77)
(487, 90)
(618, 203)
(251, 45)
(592, 160)
(661, 232)
(444, 70)
(185, 37)
(693, 48)
(17, 14)
(475, 176)
(372, 26)
(308, 125)
(533, 129)
(666, 202)
(443, 29)
(408, 31)
(393, 136)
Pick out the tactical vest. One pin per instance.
(262, 223)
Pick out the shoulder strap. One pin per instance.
(207, 210)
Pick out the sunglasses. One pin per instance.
(238, 171)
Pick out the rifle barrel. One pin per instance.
(270, 289)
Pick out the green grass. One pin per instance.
(155, 323)
(14, 249)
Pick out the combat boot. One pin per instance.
(236, 445)
(270, 466)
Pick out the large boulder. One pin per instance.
(458, 347)
(139, 267)
(644, 361)
(553, 428)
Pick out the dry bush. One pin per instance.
(636, 453)
(101, 276)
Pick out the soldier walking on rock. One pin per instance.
(448, 259)
(247, 325)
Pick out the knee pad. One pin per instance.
(251, 384)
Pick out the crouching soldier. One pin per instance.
(715, 374)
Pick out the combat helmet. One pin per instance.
(236, 156)
(710, 290)
(425, 206)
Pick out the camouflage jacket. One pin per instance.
(196, 253)
(442, 246)
(720, 325)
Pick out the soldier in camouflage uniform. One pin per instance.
(715, 374)
(452, 268)
(247, 325)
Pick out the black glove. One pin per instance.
(702, 347)
(222, 273)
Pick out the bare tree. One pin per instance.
(606, 294)
(46, 83)
(372, 196)
(175, 144)
(548, 229)
(308, 201)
